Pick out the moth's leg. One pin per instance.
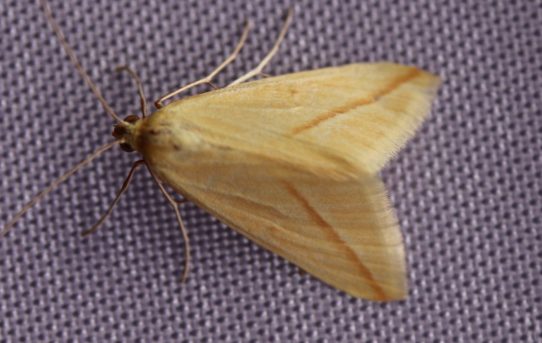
(173, 204)
(121, 191)
(137, 80)
(258, 70)
(207, 80)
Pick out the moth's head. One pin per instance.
(123, 132)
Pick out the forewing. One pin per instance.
(338, 120)
(344, 232)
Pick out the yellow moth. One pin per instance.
(291, 162)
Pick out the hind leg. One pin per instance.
(207, 80)
(258, 70)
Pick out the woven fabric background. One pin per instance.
(467, 188)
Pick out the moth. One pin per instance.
(291, 161)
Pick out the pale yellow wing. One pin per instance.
(343, 232)
(291, 163)
(336, 120)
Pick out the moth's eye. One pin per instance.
(119, 132)
(131, 118)
(126, 147)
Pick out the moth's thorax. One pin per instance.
(163, 133)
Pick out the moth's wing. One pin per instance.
(336, 120)
(344, 232)
(290, 162)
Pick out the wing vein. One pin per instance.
(322, 223)
(394, 84)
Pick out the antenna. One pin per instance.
(75, 61)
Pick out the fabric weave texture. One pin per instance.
(467, 188)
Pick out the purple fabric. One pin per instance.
(467, 188)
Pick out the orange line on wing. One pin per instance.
(313, 213)
(357, 103)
